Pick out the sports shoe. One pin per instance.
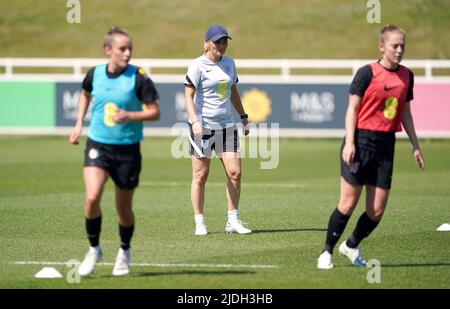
(236, 226)
(324, 261)
(353, 254)
(122, 265)
(93, 256)
(200, 229)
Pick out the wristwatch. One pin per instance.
(245, 116)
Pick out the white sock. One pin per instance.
(199, 219)
(232, 215)
(94, 248)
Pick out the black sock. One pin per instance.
(125, 236)
(336, 226)
(363, 228)
(93, 227)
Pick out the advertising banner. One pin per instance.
(27, 104)
(302, 106)
(290, 105)
(431, 107)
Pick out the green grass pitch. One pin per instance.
(41, 198)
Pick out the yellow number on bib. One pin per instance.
(390, 110)
(110, 110)
(223, 89)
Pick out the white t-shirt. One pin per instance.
(212, 82)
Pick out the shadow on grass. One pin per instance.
(416, 265)
(185, 272)
(271, 231)
(290, 230)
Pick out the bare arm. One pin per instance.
(83, 104)
(150, 112)
(189, 93)
(408, 124)
(237, 103)
(348, 153)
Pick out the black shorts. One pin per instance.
(373, 162)
(220, 140)
(122, 162)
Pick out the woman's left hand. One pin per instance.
(121, 116)
(419, 158)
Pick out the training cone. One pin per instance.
(444, 227)
(48, 272)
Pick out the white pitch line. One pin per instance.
(221, 184)
(156, 264)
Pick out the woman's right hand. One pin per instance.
(73, 138)
(348, 153)
(197, 128)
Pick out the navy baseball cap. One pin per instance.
(215, 33)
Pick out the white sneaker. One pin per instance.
(236, 226)
(122, 265)
(200, 229)
(353, 254)
(324, 261)
(93, 256)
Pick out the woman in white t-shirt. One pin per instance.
(210, 96)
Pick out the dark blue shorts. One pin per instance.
(122, 162)
(373, 162)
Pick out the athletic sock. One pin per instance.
(336, 225)
(232, 215)
(363, 228)
(125, 236)
(93, 227)
(199, 219)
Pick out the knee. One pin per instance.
(92, 200)
(345, 209)
(126, 216)
(375, 214)
(347, 205)
(200, 176)
(235, 174)
(92, 207)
